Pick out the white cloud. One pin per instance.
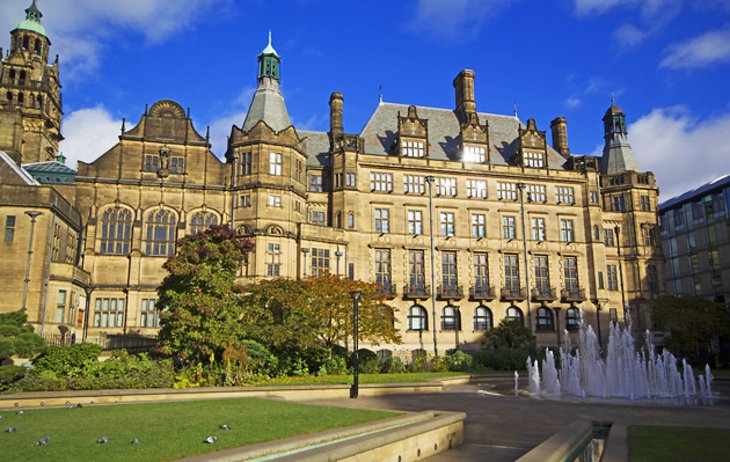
(454, 19)
(79, 29)
(705, 50)
(573, 102)
(89, 132)
(629, 35)
(590, 7)
(235, 114)
(682, 151)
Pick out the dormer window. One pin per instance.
(475, 154)
(413, 148)
(534, 159)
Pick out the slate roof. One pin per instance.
(9, 165)
(689, 196)
(50, 167)
(381, 132)
(267, 105)
(318, 146)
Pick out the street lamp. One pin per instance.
(430, 180)
(305, 251)
(88, 290)
(338, 254)
(521, 187)
(33, 214)
(355, 294)
(617, 230)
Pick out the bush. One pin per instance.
(391, 365)
(17, 337)
(9, 375)
(68, 361)
(457, 360)
(504, 359)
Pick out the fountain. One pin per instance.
(626, 373)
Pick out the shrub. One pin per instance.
(17, 337)
(391, 365)
(457, 360)
(504, 359)
(9, 375)
(68, 361)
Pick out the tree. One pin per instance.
(510, 333)
(318, 311)
(17, 337)
(201, 304)
(694, 323)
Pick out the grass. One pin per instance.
(667, 444)
(166, 431)
(364, 378)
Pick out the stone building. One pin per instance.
(464, 218)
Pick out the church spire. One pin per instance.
(618, 157)
(268, 103)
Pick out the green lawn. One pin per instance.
(364, 378)
(166, 431)
(667, 444)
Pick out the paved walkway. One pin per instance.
(503, 428)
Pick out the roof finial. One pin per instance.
(269, 37)
(515, 110)
(613, 100)
(124, 123)
(33, 13)
(380, 94)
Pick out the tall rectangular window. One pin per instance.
(382, 221)
(9, 228)
(508, 227)
(447, 223)
(448, 269)
(350, 180)
(652, 277)
(315, 183)
(298, 170)
(593, 197)
(570, 274)
(645, 203)
(246, 164)
(619, 205)
(382, 268)
(416, 269)
(506, 191)
(273, 269)
(148, 316)
(564, 195)
(535, 193)
(542, 274)
(511, 273)
(413, 148)
(415, 222)
(382, 182)
(608, 237)
(538, 228)
(475, 154)
(647, 235)
(566, 231)
(600, 280)
(109, 312)
(413, 184)
(320, 261)
(476, 188)
(60, 305)
(478, 225)
(481, 272)
(612, 277)
(446, 186)
(161, 232)
(275, 163)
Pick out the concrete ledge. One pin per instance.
(563, 446)
(405, 438)
(617, 444)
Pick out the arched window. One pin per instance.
(116, 231)
(450, 318)
(482, 319)
(572, 319)
(201, 221)
(338, 220)
(351, 220)
(160, 233)
(514, 313)
(545, 322)
(417, 318)
(26, 42)
(596, 234)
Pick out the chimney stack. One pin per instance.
(464, 86)
(559, 127)
(336, 125)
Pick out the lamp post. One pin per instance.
(617, 230)
(557, 323)
(521, 187)
(355, 359)
(338, 254)
(305, 251)
(88, 290)
(598, 321)
(430, 179)
(33, 214)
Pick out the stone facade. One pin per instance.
(462, 217)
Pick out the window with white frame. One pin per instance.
(275, 163)
(317, 218)
(382, 221)
(201, 221)
(350, 180)
(447, 223)
(413, 148)
(273, 269)
(478, 225)
(381, 181)
(320, 261)
(161, 233)
(566, 231)
(538, 228)
(506, 191)
(274, 248)
(413, 184)
(535, 192)
(534, 159)
(148, 316)
(274, 200)
(564, 195)
(475, 154)
(60, 305)
(315, 183)
(415, 222)
(476, 188)
(593, 197)
(245, 200)
(109, 312)
(508, 227)
(446, 186)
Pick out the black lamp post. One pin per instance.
(305, 251)
(33, 214)
(88, 290)
(354, 389)
(338, 254)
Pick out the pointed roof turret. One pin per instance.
(268, 103)
(32, 21)
(618, 157)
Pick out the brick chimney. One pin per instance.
(336, 124)
(559, 127)
(464, 86)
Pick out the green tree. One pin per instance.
(202, 310)
(17, 337)
(510, 333)
(694, 323)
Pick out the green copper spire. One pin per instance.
(32, 21)
(269, 62)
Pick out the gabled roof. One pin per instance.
(16, 174)
(689, 196)
(381, 131)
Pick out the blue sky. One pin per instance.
(666, 62)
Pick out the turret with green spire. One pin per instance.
(268, 103)
(32, 21)
(269, 61)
